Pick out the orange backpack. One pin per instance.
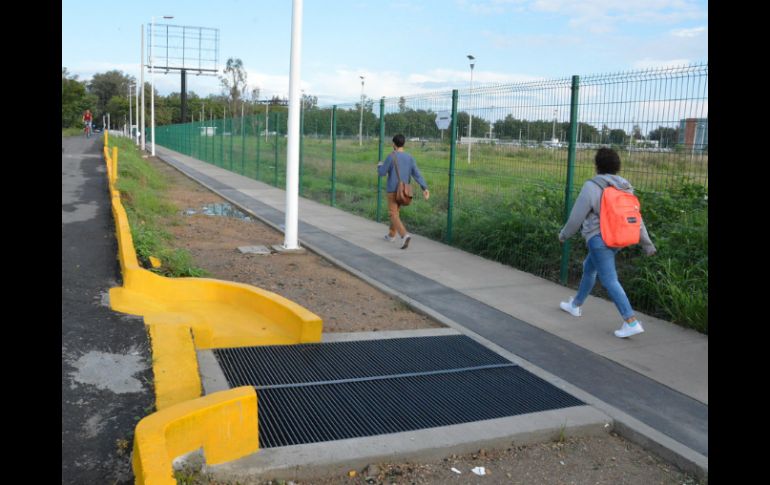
(620, 219)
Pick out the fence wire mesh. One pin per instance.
(509, 175)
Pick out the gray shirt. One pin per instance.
(585, 212)
(407, 167)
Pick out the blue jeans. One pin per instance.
(601, 261)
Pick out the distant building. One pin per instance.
(694, 133)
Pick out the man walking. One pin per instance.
(399, 164)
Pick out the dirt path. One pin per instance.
(347, 304)
(344, 302)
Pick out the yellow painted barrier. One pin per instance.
(224, 424)
(182, 315)
(174, 364)
(202, 313)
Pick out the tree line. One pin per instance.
(108, 93)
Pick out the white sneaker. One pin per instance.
(390, 238)
(627, 330)
(405, 243)
(567, 306)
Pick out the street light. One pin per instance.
(152, 81)
(361, 119)
(136, 89)
(553, 130)
(470, 115)
(293, 131)
(130, 116)
(140, 128)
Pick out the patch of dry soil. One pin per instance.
(344, 302)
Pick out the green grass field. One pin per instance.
(508, 204)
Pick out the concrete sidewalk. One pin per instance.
(657, 382)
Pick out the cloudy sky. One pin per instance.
(400, 47)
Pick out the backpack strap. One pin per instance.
(602, 189)
(594, 180)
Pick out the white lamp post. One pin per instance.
(130, 113)
(136, 89)
(292, 150)
(361, 119)
(553, 131)
(140, 129)
(470, 115)
(152, 81)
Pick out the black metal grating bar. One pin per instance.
(320, 392)
(335, 361)
(325, 412)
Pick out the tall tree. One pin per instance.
(402, 104)
(107, 85)
(234, 82)
(666, 136)
(74, 99)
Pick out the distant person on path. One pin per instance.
(407, 167)
(88, 120)
(601, 258)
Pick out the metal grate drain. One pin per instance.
(320, 392)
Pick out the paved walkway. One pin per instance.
(658, 379)
(106, 371)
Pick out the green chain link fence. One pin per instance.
(503, 181)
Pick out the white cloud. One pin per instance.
(344, 86)
(503, 41)
(655, 63)
(488, 7)
(694, 32)
(597, 16)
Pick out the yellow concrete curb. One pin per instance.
(183, 314)
(174, 365)
(216, 313)
(224, 424)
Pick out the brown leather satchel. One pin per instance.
(403, 190)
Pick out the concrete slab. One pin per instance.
(469, 273)
(647, 359)
(352, 336)
(258, 249)
(212, 377)
(280, 249)
(338, 457)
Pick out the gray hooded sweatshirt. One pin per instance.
(586, 210)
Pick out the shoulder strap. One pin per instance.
(395, 162)
(600, 198)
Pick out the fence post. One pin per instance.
(573, 124)
(259, 147)
(452, 159)
(232, 118)
(275, 172)
(334, 156)
(379, 157)
(243, 143)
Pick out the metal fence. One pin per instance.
(504, 173)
